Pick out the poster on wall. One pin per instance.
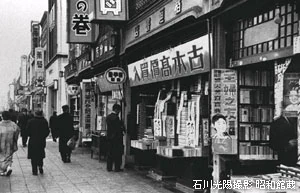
(291, 91)
(190, 133)
(157, 127)
(224, 111)
(280, 68)
(170, 126)
(101, 123)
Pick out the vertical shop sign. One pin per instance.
(86, 104)
(39, 67)
(23, 74)
(116, 10)
(280, 69)
(79, 25)
(224, 101)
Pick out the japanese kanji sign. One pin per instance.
(111, 10)
(115, 75)
(184, 60)
(39, 64)
(79, 25)
(224, 101)
(73, 89)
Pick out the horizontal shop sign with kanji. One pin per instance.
(183, 60)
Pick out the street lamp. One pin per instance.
(55, 84)
(45, 89)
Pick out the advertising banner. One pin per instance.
(224, 102)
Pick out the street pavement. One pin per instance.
(83, 174)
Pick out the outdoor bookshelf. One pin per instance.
(256, 112)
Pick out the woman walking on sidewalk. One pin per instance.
(9, 132)
(38, 131)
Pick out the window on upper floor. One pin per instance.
(260, 33)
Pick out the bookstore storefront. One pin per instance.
(262, 63)
(106, 95)
(169, 103)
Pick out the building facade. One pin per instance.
(57, 54)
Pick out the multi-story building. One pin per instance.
(57, 54)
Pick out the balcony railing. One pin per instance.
(70, 69)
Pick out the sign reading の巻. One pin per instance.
(79, 27)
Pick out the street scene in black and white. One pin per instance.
(155, 96)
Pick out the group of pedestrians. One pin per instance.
(36, 128)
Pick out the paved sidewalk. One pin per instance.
(82, 175)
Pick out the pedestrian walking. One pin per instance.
(22, 123)
(65, 133)
(30, 115)
(9, 132)
(38, 131)
(53, 125)
(13, 115)
(115, 129)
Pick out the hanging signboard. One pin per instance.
(73, 89)
(39, 63)
(79, 27)
(23, 74)
(224, 102)
(183, 60)
(115, 75)
(115, 10)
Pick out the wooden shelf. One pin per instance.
(256, 162)
(255, 87)
(256, 123)
(251, 104)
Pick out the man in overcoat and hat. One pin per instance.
(38, 131)
(66, 131)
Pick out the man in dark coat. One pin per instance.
(22, 123)
(13, 115)
(65, 132)
(38, 131)
(53, 126)
(115, 131)
(283, 139)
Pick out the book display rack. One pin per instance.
(256, 112)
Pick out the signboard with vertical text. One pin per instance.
(224, 101)
(79, 27)
(23, 70)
